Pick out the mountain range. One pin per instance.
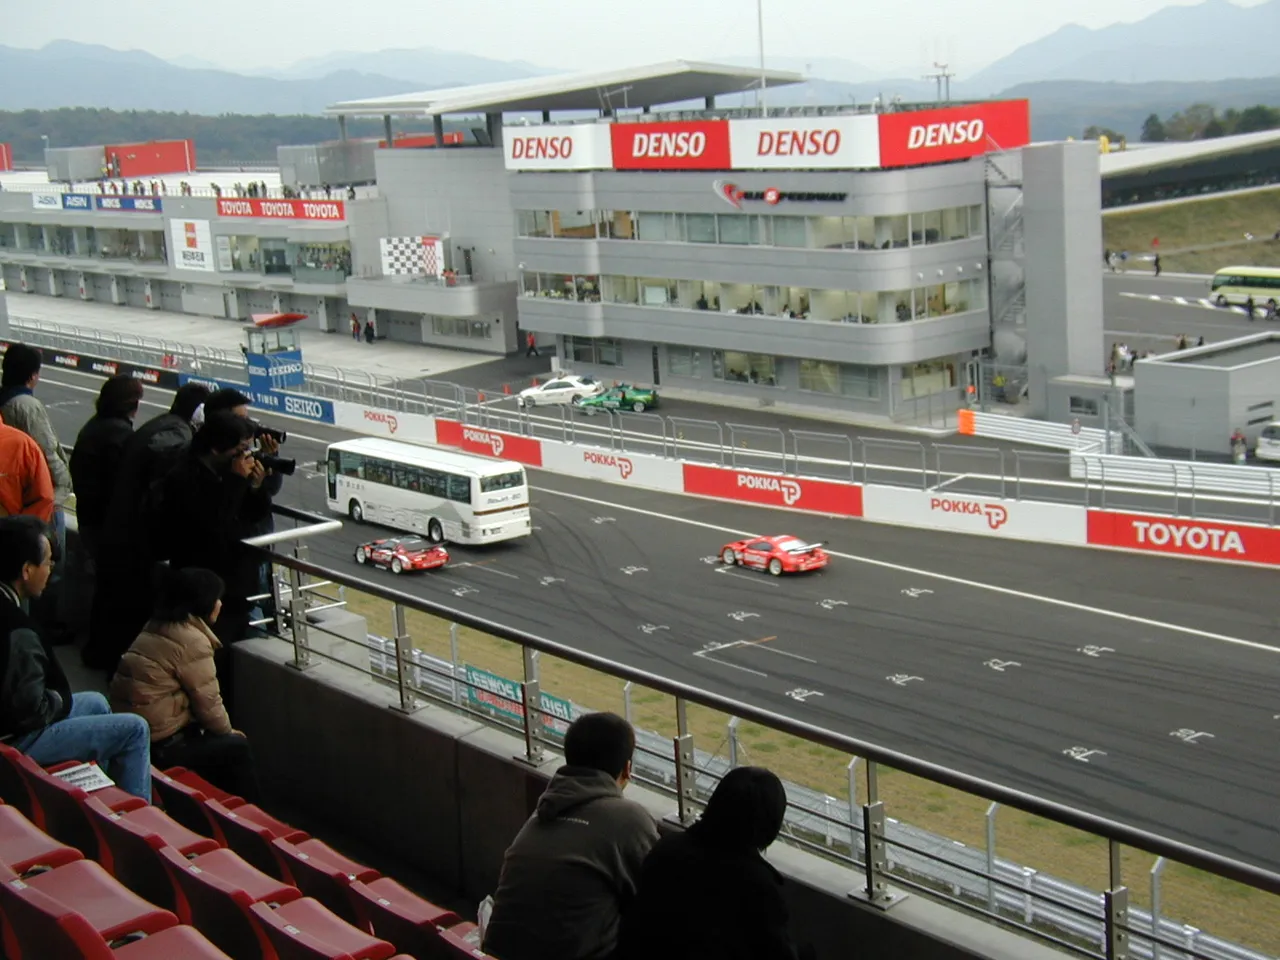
(1113, 76)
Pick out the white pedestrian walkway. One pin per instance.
(384, 358)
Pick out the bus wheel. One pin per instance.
(355, 512)
(1221, 301)
(435, 532)
(1271, 305)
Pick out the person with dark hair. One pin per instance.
(571, 871)
(708, 893)
(39, 715)
(168, 678)
(19, 374)
(121, 599)
(227, 398)
(97, 455)
(204, 508)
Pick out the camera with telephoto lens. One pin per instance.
(275, 464)
(262, 430)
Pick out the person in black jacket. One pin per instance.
(708, 893)
(39, 715)
(207, 504)
(122, 598)
(98, 454)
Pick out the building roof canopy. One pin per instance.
(678, 81)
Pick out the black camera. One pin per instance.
(276, 464)
(262, 430)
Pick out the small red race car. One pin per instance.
(402, 554)
(778, 555)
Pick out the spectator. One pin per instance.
(121, 597)
(707, 893)
(25, 484)
(168, 678)
(571, 871)
(39, 715)
(97, 455)
(208, 503)
(19, 408)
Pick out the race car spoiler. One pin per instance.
(806, 547)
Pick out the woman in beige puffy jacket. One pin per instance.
(168, 678)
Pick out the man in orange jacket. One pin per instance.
(25, 483)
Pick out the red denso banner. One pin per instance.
(6, 156)
(283, 209)
(489, 443)
(153, 158)
(1202, 539)
(773, 490)
(676, 145)
(953, 133)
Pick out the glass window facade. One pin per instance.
(466, 327)
(734, 366)
(840, 379)
(602, 351)
(750, 229)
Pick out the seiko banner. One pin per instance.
(289, 404)
(66, 360)
(275, 371)
(139, 204)
(840, 142)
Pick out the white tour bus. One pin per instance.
(1235, 285)
(439, 494)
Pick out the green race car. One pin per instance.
(622, 397)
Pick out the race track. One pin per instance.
(992, 657)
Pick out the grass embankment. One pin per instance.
(1204, 901)
(1200, 236)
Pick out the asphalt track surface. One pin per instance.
(991, 657)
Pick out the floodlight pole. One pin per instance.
(764, 111)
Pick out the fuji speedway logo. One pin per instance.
(377, 416)
(789, 489)
(733, 195)
(485, 438)
(1180, 536)
(997, 516)
(624, 464)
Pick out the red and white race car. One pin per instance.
(402, 554)
(778, 555)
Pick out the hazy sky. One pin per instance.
(899, 35)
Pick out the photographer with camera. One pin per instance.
(266, 451)
(212, 500)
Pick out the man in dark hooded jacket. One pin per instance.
(571, 871)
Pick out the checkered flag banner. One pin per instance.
(412, 256)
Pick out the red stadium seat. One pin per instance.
(183, 795)
(109, 909)
(46, 929)
(396, 914)
(134, 839)
(13, 786)
(60, 808)
(216, 891)
(323, 874)
(24, 846)
(461, 941)
(305, 930)
(249, 830)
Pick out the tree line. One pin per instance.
(1200, 121)
(220, 141)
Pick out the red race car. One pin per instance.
(778, 555)
(402, 554)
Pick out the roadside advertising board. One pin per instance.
(289, 404)
(104, 367)
(917, 137)
(774, 490)
(985, 516)
(673, 145)
(628, 469)
(376, 422)
(136, 204)
(489, 443)
(807, 143)
(556, 147)
(503, 697)
(1200, 539)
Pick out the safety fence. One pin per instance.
(990, 491)
(891, 859)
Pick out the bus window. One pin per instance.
(352, 465)
(502, 482)
(460, 489)
(408, 478)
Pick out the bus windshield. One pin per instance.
(503, 481)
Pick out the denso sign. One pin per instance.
(579, 147)
(805, 143)
(954, 133)
(691, 145)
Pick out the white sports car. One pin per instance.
(563, 389)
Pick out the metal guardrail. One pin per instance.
(889, 856)
(1137, 484)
